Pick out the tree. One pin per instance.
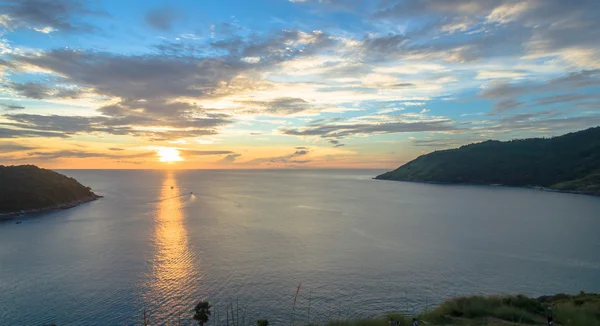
(262, 322)
(202, 312)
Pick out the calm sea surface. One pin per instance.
(360, 247)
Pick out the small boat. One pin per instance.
(19, 222)
(171, 187)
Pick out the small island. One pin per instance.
(569, 163)
(29, 189)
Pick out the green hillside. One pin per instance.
(28, 187)
(570, 162)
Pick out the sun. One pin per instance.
(168, 155)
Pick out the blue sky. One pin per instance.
(280, 83)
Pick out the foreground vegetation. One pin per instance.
(29, 188)
(568, 163)
(582, 309)
(567, 310)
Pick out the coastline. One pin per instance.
(546, 189)
(53, 208)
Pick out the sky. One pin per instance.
(288, 83)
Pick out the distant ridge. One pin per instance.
(28, 189)
(569, 162)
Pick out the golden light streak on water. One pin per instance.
(173, 278)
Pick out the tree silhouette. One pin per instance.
(262, 322)
(202, 312)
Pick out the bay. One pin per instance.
(359, 247)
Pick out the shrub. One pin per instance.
(513, 314)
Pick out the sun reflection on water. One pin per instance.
(173, 277)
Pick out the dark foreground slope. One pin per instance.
(29, 188)
(567, 310)
(570, 162)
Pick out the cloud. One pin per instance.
(278, 106)
(13, 147)
(47, 16)
(373, 125)
(85, 154)
(566, 98)
(11, 107)
(20, 133)
(335, 5)
(230, 158)
(545, 122)
(121, 123)
(38, 91)
(189, 152)
(508, 94)
(386, 45)
(65, 125)
(161, 18)
(137, 76)
(507, 104)
(285, 160)
(567, 29)
(283, 45)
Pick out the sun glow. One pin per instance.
(168, 155)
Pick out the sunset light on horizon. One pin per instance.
(287, 84)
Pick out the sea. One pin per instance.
(290, 246)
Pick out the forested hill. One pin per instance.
(27, 187)
(569, 162)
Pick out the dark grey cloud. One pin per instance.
(507, 104)
(67, 125)
(566, 98)
(85, 154)
(286, 160)
(20, 133)
(161, 18)
(533, 123)
(146, 85)
(275, 47)
(11, 107)
(500, 27)
(362, 128)
(38, 91)
(33, 125)
(387, 44)
(571, 81)
(353, 6)
(441, 8)
(116, 149)
(278, 106)
(161, 113)
(13, 147)
(230, 158)
(138, 77)
(31, 90)
(7, 64)
(61, 15)
(203, 153)
(580, 86)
